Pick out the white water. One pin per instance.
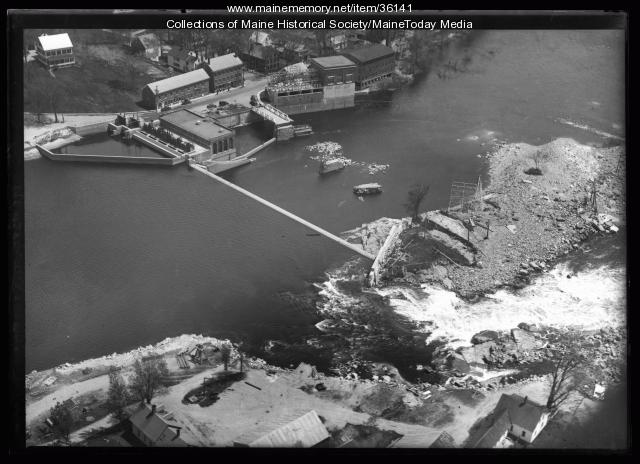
(590, 299)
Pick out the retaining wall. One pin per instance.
(108, 159)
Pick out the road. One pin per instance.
(241, 95)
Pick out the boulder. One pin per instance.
(484, 336)
(458, 363)
(477, 354)
(524, 339)
(528, 327)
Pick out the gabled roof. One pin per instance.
(54, 42)
(260, 51)
(260, 37)
(223, 62)
(306, 431)
(149, 40)
(522, 412)
(444, 440)
(181, 80)
(181, 54)
(496, 432)
(154, 427)
(369, 53)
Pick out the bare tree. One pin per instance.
(118, 396)
(563, 381)
(225, 351)
(147, 378)
(62, 417)
(414, 199)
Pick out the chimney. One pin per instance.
(153, 411)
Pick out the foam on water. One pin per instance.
(589, 300)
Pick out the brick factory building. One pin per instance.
(334, 69)
(327, 84)
(261, 58)
(375, 63)
(224, 71)
(204, 131)
(55, 51)
(176, 89)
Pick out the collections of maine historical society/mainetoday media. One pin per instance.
(320, 24)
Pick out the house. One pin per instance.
(55, 51)
(515, 418)
(260, 38)
(334, 69)
(218, 139)
(306, 431)
(182, 60)
(148, 45)
(260, 58)
(152, 429)
(176, 89)
(444, 440)
(224, 71)
(375, 63)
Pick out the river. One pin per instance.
(123, 256)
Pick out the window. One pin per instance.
(230, 143)
(524, 433)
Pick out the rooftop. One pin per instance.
(54, 42)
(522, 411)
(224, 61)
(260, 51)
(154, 427)
(368, 53)
(149, 40)
(181, 54)
(306, 431)
(336, 61)
(195, 124)
(495, 432)
(181, 80)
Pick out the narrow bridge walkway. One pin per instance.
(321, 231)
(273, 114)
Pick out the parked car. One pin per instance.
(211, 105)
(186, 101)
(223, 103)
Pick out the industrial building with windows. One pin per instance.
(176, 89)
(204, 131)
(375, 63)
(224, 71)
(55, 51)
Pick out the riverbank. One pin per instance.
(547, 263)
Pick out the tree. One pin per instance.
(414, 199)
(563, 380)
(118, 396)
(225, 351)
(147, 378)
(62, 417)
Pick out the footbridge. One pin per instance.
(283, 124)
(321, 231)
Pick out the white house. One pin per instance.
(517, 418)
(55, 51)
